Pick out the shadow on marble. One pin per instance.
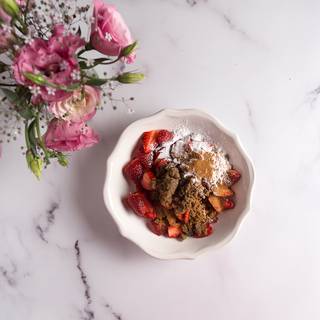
(89, 182)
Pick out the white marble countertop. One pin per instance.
(255, 65)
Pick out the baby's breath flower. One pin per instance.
(75, 75)
(51, 91)
(35, 90)
(108, 36)
(28, 39)
(63, 66)
(90, 62)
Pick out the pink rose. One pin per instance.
(81, 106)
(109, 32)
(4, 17)
(69, 136)
(54, 59)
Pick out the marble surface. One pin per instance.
(255, 66)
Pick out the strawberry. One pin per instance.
(133, 170)
(164, 136)
(227, 204)
(174, 231)
(185, 217)
(157, 228)
(216, 203)
(149, 180)
(149, 140)
(138, 150)
(234, 175)
(180, 216)
(141, 205)
(146, 159)
(222, 190)
(209, 230)
(159, 163)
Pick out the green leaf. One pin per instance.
(32, 137)
(25, 111)
(130, 77)
(19, 99)
(96, 81)
(70, 87)
(128, 49)
(12, 96)
(10, 7)
(38, 79)
(84, 66)
(62, 159)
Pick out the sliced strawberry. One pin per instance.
(222, 190)
(133, 170)
(146, 159)
(164, 136)
(149, 180)
(227, 204)
(209, 230)
(141, 205)
(234, 175)
(174, 231)
(149, 140)
(157, 228)
(159, 163)
(180, 216)
(138, 150)
(216, 203)
(185, 217)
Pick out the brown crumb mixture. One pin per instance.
(178, 195)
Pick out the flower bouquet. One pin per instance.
(49, 84)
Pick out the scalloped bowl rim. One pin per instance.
(220, 126)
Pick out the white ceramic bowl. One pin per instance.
(116, 188)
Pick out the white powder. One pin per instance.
(183, 141)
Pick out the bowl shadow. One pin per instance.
(88, 197)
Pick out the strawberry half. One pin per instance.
(149, 140)
(164, 136)
(174, 231)
(146, 160)
(133, 170)
(227, 204)
(234, 175)
(159, 163)
(149, 180)
(157, 228)
(141, 205)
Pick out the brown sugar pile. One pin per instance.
(179, 196)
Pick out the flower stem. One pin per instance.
(7, 85)
(26, 135)
(40, 141)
